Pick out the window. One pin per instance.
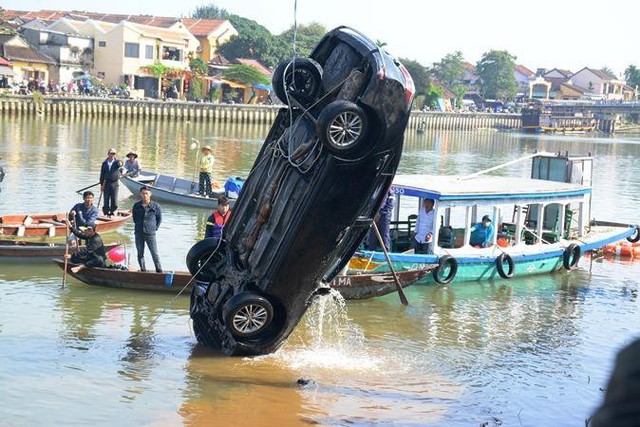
(148, 52)
(102, 44)
(171, 53)
(131, 50)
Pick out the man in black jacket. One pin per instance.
(93, 254)
(109, 175)
(147, 216)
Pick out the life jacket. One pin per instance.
(214, 229)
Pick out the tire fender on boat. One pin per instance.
(635, 236)
(443, 276)
(571, 257)
(500, 260)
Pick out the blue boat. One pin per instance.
(542, 223)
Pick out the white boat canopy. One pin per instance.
(487, 190)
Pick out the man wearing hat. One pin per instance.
(482, 233)
(206, 170)
(132, 165)
(109, 176)
(93, 254)
(218, 219)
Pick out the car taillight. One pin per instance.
(410, 88)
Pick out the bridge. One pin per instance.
(595, 107)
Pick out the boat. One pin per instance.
(536, 119)
(52, 225)
(22, 250)
(180, 191)
(351, 287)
(541, 223)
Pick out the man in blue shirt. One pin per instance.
(84, 214)
(482, 233)
(423, 241)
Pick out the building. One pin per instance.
(73, 53)
(28, 65)
(599, 85)
(211, 33)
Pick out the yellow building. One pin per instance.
(211, 33)
(28, 65)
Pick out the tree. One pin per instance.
(432, 94)
(210, 11)
(450, 71)
(307, 37)
(632, 75)
(253, 41)
(245, 74)
(496, 70)
(419, 74)
(609, 72)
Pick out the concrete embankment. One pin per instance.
(239, 113)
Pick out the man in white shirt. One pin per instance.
(423, 240)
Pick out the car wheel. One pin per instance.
(342, 126)
(202, 258)
(300, 79)
(247, 315)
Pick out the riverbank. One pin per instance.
(237, 113)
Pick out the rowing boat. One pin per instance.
(351, 287)
(21, 250)
(52, 225)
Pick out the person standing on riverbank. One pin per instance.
(206, 171)
(147, 216)
(109, 177)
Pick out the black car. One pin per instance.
(310, 198)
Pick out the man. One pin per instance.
(93, 254)
(423, 240)
(482, 233)
(206, 171)
(109, 176)
(132, 165)
(383, 221)
(218, 219)
(84, 214)
(147, 216)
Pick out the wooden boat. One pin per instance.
(51, 225)
(167, 188)
(22, 250)
(357, 286)
(542, 224)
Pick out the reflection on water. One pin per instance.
(533, 351)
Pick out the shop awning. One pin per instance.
(6, 71)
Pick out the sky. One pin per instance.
(567, 34)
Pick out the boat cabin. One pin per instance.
(553, 203)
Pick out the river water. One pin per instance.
(527, 352)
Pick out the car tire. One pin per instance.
(342, 126)
(300, 79)
(247, 315)
(206, 251)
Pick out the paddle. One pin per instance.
(86, 188)
(195, 145)
(403, 298)
(66, 254)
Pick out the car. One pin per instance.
(314, 189)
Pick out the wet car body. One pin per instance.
(314, 189)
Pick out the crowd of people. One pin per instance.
(147, 214)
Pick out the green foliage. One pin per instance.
(245, 74)
(432, 94)
(632, 75)
(496, 70)
(307, 37)
(210, 11)
(254, 42)
(198, 66)
(156, 69)
(419, 74)
(450, 70)
(196, 89)
(609, 72)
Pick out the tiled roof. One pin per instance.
(524, 70)
(256, 64)
(202, 27)
(161, 33)
(469, 66)
(4, 61)
(25, 54)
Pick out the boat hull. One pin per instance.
(48, 225)
(24, 251)
(352, 287)
(475, 264)
(188, 198)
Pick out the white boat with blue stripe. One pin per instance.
(541, 222)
